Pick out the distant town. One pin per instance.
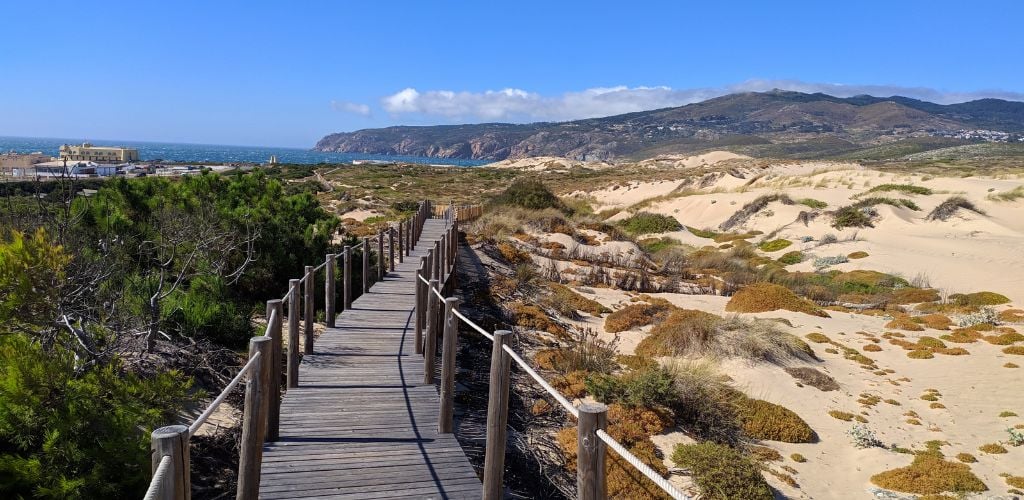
(87, 160)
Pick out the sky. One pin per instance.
(288, 73)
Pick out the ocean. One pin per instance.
(209, 153)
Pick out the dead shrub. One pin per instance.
(814, 378)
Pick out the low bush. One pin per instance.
(790, 258)
(689, 332)
(857, 255)
(812, 203)
(850, 216)
(763, 297)
(992, 449)
(979, 299)
(774, 245)
(512, 254)
(530, 194)
(966, 458)
(565, 299)
(636, 315)
(814, 378)
(721, 472)
(930, 473)
(647, 223)
(911, 295)
(701, 233)
(902, 188)
(1015, 349)
(641, 388)
(872, 348)
(920, 354)
(705, 406)
(1011, 195)
(904, 322)
(798, 458)
(1015, 481)
(1011, 316)
(818, 337)
(950, 207)
(765, 420)
(841, 415)
(936, 321)
(534, 318)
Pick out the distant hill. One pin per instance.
(776, 123)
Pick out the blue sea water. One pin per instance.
(209, 153)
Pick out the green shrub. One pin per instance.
(902, 188)
(77, 432)
(646, 223)
(930, 473)
(705, 406)
(530, 194)
(850, 217)
(857, 255)
(774, 245)
(951, 206)
(811, 202)
(701, 233)
(798, 458)
(641, 388)
(979, 299)
(765, 420)
(793, 257)
(721, 472)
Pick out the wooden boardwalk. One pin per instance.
(362, 424)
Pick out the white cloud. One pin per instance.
(520, 105)
(351, 107)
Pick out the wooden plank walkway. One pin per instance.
(362, 424)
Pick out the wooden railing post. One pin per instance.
(347, 286)
(590, 452)
(381, 263)
(442, 270)
(307, 327)
(293, 333)
(391, 249)
(329, 291)
(430, 346)
(449, 346)
(421, 304)
(172, 441)
(497, 417)
(254, 418)
(436, 259)
(401, 242)
(366, 264)
(275, 309)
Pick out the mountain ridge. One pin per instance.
(809, 125)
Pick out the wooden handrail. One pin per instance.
(261, 410)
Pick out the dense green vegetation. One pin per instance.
(647, 223)
(102, 299)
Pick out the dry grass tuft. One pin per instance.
(841, 415)
(857, 255)
(979, 299)
(1011, 316)
(798, 458)
(872, 348)
(911, 295)
(992, 449)
(936, 321)
(966, 458)
(1016, 349)
(763, 297)
(690, 332)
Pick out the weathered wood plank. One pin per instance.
(362, 423)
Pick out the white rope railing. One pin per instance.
(270, 321)
(158, 478)
(569, 407)
(223, 395)
(473, 325)
(321, 266)
(642, 467)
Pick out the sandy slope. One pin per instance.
(969, 252)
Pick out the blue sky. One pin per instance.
(287, 73)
